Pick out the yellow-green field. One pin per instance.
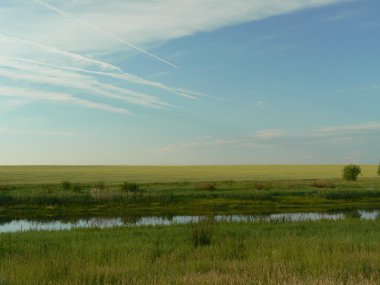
(117, 174)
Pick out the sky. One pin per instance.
(154, 82)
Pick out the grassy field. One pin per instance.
(144, 174)
(325, 252)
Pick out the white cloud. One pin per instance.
(138, 22)
(31, 34)
(264, 138)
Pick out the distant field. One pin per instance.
(117, 174)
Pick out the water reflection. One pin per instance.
(54, 225)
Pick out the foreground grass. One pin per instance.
(144, 174)
(326, 252)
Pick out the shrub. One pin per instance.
(206, 186)
(66, 185)
(201, 232)
(350, 172)
(378, 169)
(130, 187)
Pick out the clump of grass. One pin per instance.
(201, 232)
(206, 186)
(322, 184)
(130, 187)
(66, 185)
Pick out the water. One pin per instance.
(57, 225)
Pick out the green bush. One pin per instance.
(130, 187)
(350, 172)
(378, 169)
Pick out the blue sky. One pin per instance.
(189, 82)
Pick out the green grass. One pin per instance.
(190, 198)
(144, 174)
(326, 252)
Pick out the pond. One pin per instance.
(94, 222)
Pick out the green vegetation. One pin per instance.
(378, 169)
(189, 198)
(201, 232)
(326, 252)
(205, 252)
(130, 187)
(350, 172)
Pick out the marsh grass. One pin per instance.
(4, 187)
(186, 198)
(100, 185)
(326, 252)
(201, 232)
(66, 185)
(77, 187)
(132, 187)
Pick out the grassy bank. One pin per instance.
(189, 198)
(326, 252)
(144, 174)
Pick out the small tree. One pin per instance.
(350, 172)
(378, 169)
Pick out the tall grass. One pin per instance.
(326, 252)
(201, 232)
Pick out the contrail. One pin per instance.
(105, 33)
(116, 72)
(113, 70)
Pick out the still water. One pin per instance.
(57, 225)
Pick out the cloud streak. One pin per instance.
(277, 138)
(57, 97)
(98, 30)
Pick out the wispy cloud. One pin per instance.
(98, 30)
(80, 63)
(58, 97)
(139, 22)
(361, 90)
(24, 132)
(144, 23)
(343, 15)
(265, 138)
